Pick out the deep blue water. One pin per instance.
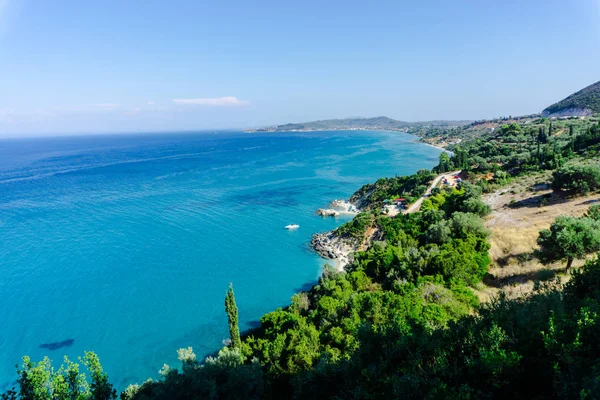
(125, 244)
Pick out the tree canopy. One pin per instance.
(569, 239)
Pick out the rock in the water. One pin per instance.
(327, 212)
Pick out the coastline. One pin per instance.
(327, 244)
(374, 129)
(332, 247)
(434, 146)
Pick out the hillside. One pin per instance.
(582, 103)
(376, 123)
(463, 299)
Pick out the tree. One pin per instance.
(569, 238)
(460, 158)
(593, 212)
(476, 206)
(445, 163)
(466, 224)
(438, 233)
(40, 381)
(100, 388)
(576, 179)
(232, 317)
(542, 135)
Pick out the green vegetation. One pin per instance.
(577, 179)
(493, 158)
(411, 187)
(585, 99)
(357, 227)
(570, 238)
(232, 318)
(40, 381)
(593, 212)
(406, 284)
(376, 123)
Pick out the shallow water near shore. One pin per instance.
(125, 244)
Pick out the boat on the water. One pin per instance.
(292, 226)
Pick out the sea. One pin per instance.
(125, 244)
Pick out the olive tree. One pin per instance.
(569, 239)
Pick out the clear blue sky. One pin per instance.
(113, 65)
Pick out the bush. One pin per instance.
(356, 228)
(576, 179)
(475, 205)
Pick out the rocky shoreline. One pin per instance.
(333, 247)
(330, 246)
(337, 207)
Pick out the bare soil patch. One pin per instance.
(520, 212)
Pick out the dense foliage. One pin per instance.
(40, 381)
(580, 179)
(537, 144)
(410, 187)
(356, 228)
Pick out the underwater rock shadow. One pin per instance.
(57, 345)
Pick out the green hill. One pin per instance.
(582, 103)
(376, 123)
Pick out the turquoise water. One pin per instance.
(125, 245)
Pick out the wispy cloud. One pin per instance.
(228, 101)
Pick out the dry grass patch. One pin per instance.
(519, 213)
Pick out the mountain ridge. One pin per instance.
(358, 123)
(582, 103)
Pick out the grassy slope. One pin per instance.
(520, 211)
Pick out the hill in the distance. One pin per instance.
(376, 123)
(583, 103)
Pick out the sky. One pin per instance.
(72, 66)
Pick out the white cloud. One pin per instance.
(151, 103)
(228, 101)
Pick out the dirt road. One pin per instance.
(416, 206)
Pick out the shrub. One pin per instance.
(576, 179)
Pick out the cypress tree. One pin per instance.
(232, 317)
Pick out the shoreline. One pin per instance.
(434, 146)
(332, 247)
(327, 244)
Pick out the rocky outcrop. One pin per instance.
(361, 198)
(332, 247)
(338, 207)
(344, 207)
(569, 112)
(328, 212)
